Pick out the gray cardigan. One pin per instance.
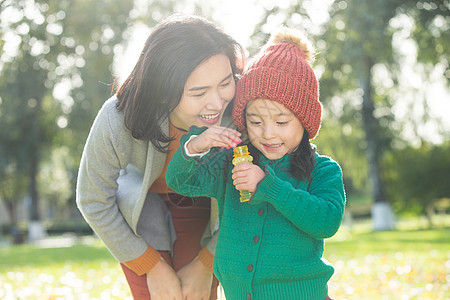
(115, 174)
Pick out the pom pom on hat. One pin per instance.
(290, 36)
(281, 72)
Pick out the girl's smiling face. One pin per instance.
(207, 92)
(272, 128)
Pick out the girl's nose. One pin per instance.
(268, 132)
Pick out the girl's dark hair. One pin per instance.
(302, 158)
(173, 50)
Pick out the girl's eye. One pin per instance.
(282, 123)
(255, 123)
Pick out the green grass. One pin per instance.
(81, 271)
(411, 263)
(404, 264)
(421, 240)
(26, 255)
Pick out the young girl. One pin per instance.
(184, 76)
(271, 246)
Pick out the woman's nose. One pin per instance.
(215, 101)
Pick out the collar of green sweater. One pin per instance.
(284, 160)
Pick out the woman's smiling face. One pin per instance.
(207, 93)
(272, 128)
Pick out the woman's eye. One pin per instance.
(282, 123)
(225, 84)
(199, 95)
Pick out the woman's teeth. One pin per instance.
(209, 117)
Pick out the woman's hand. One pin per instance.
(215, 136)
(246, 176)
(163, 283)
(196, 280)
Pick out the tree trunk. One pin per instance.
(382, 215)
(430, 213)
(36, 229)
(11, 207)
(34, 213)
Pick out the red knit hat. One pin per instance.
(281, 72)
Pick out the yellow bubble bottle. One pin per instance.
(241, 155)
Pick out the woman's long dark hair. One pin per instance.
(173, 50)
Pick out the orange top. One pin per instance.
(159, 186)
(150, 258)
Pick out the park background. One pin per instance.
(384, 84)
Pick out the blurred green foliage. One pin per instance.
(417, 178)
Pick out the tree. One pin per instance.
(359, 39)
(50, 52)
(26, 115)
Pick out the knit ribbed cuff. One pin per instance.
(145, 262)
(269, 188)
(206, 258)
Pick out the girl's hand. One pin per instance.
(215, 136)
(196, 281)
(163, 283)
(246, 176)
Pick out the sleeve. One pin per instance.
(188, 154)
(96, 195)
(207, 258)
(318, 212)
(145, 262)
(198, 175)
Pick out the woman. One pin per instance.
(185, 76)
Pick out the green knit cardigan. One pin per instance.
(271, 247)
